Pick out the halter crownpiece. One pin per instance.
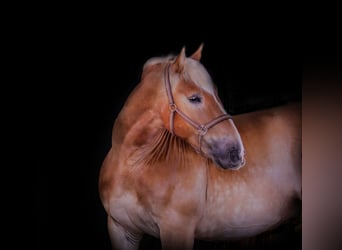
(202, 129)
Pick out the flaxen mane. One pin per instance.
(166, 147)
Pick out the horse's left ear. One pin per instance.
(198, 53)
(180, 61)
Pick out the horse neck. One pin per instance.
(139, 120)
(139, 130)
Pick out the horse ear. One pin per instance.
(180, 61)
(198, 53)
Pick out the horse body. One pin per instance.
(259, 196)
(156, 182)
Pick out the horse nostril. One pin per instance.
(234, 156)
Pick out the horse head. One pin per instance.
(191, 109)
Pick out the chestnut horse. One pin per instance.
(180, 168)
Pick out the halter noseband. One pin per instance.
(202, 129)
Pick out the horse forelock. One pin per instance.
(196, 72)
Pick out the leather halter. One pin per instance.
(202, 129)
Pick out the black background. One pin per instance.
(89, 61)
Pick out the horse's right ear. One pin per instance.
(180, 61)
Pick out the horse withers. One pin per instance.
(180, 168)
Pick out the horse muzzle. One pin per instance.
(227, 155)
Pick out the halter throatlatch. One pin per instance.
(202, 129)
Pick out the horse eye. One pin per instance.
(195, 99)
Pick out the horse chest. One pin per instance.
(142, 201)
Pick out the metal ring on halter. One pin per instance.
(202, 130)
(172, 107)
